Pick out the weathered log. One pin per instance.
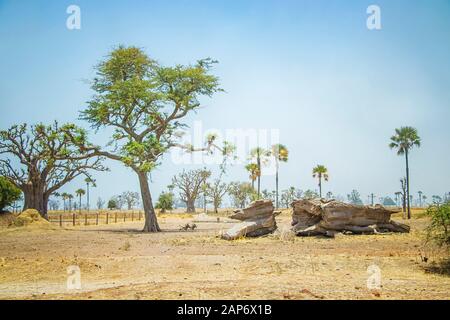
(258, 219)
(319, 216)
(258, 208)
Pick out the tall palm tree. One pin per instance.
(404, 140)
(320, 172)
(260, 155)
(80, 193)
(70, 197)
(420, 197)
(89, 181)
(280, 154)
(64, 196)
(254, 172)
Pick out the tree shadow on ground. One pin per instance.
(132, 231)
(441, 267)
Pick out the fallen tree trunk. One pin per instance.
(258, 219)
(326, 217)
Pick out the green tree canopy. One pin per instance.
(145, 103)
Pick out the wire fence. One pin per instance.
(94, 218)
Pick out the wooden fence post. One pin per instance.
(132, 215)
(60, 220)
(107, 217)
(124, 216)
(115, 217)
(73, 219)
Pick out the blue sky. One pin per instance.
(311, 69)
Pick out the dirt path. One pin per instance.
(119, 262)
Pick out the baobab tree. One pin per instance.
(189, 183)
(241, 193)
(288, 196)
(280, 153)
(266, 194)
(45, 159)
(403, 141)
(130, 198)
(320, 172)
(215, 191)
(145, 104)
(80, 193)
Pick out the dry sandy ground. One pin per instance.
(119, 262)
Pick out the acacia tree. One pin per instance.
(144, 103)
(404, 140)
(40, 159)
(320, 172)
(190, 185)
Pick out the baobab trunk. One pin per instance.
(35, 198)
(151, 222)
(190, 206)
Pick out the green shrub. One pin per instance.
(165, 201)
(8, 193)
(439, 228)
